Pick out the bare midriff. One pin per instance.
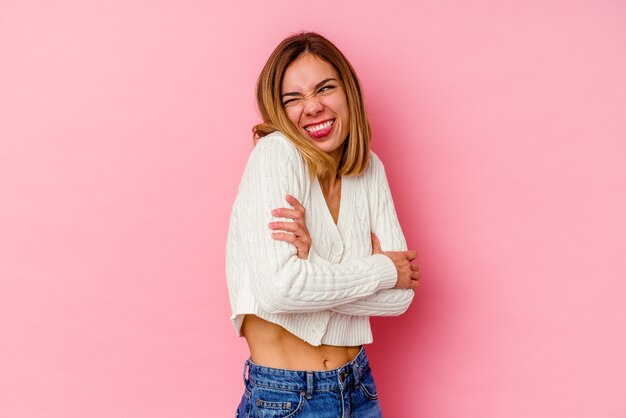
(273, 346)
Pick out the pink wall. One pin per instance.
(124, 129)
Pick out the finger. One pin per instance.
(300, 248)
(294, 202)
(287, 213)
(415, 267)
(286, 226)
(295, 228)
(410, 255)
(284, 236)
(375, 244)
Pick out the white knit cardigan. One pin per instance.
(329, 297)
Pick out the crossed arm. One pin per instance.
(283, 281)
(385, 302)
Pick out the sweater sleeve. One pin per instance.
(385, 224)
(282, 282)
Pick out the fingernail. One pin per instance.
(271, 224)
(275, 212)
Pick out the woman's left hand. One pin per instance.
(297, 234)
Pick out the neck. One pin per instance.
(336, 156)
(332, 180)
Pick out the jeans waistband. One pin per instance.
(307, 381)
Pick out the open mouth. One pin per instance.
(319, 126)
(320, 130)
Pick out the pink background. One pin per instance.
(124, 130)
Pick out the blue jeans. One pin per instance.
(348, 391)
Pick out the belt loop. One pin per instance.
(309, 385)
(356, 373)
(246, 370)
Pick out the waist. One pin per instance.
(349, 373)
(316, 328)
(273, 346)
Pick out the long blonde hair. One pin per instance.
(356, 148)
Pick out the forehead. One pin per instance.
(305, 72)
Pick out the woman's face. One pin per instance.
(316, 103)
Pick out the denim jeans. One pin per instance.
(348, 391)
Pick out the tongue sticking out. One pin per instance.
(322, 133)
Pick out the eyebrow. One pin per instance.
(318, 85)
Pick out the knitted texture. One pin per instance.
(327, 298)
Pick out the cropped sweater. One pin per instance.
(329, 297)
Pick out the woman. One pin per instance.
(303, 281)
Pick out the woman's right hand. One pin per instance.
(408, 273)
(298, 234)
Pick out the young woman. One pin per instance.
(304, 280)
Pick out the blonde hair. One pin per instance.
(356, 148)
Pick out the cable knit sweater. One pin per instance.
(327, 298)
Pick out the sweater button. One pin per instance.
(337, 248)
(319, 327)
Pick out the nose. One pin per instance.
(313, 106)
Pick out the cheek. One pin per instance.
(346, 113)
(340, 106)
(294, 116)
